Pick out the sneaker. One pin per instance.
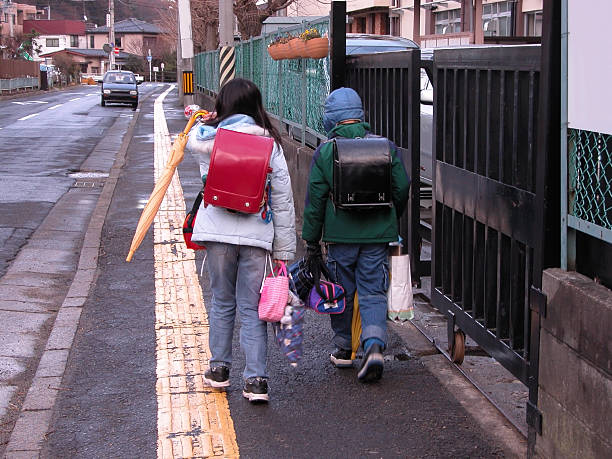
(217, 376)
(256, 389)
(372, 365)
(341, 358)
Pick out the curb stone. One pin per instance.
(32, 425)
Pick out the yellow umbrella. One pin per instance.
(152, 206)
(355, 328)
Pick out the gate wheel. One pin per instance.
(458, 347)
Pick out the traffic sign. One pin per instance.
(116, 50)
(107, 47)
(155, 69)
(149, 58)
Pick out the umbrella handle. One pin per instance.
(193, 119)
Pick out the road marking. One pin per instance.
(193, 420)
(29, 116)
(55, 106)
(93, 94)
(30, 102)
(76, 98)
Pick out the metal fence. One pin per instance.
(293, 90)
(389, 86)
(14, 84)
(484, 235)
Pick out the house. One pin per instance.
(56, 35)
(447, 22)
(131, 35)
(12, 17)
(91, 61)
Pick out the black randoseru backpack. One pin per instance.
(362, 173)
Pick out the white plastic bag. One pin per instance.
(399, 295)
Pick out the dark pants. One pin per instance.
(363, 268)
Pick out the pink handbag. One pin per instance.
(274, 294)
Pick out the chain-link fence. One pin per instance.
(590, 178)
(293, 90)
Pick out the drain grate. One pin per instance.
(85, 179)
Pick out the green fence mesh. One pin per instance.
(590, 176)
(292, 89)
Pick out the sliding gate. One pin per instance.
(485, 208)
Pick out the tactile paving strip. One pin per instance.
(193, 420)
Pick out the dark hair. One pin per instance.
(241, 96)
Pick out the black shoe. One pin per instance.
(217, 377)
(372, 365)
(256, 390)
(341, 358)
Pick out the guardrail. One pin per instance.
(15, 84)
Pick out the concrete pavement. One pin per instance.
(106, 402)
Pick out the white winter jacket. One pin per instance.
(217, 224)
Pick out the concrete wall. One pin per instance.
(575, 395)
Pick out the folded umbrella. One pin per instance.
(161, 187)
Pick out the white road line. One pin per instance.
(20, 103)
(93, 94)
(55, 106)
(29, 116)
(76, 98)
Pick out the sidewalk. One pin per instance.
(111, 399)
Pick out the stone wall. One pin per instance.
(575, 394)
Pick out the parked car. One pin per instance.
(119, 86)
(373, 44)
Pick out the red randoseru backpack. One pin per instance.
(239, 165)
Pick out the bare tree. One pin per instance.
(251, 16)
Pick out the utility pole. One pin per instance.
(185, 48)
(227, 56)
(111, 33)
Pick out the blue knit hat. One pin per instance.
(342, 104)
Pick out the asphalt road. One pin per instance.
(44, 137)
(107, 405)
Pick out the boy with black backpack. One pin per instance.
(357, 189)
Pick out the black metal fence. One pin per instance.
(389, 87)
(485, 207)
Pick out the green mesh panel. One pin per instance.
(278, 80)
(590, 176)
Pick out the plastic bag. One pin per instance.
(399, 295)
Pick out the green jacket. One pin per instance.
(321, 218)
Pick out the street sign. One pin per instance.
(150, 58)
(107, 48)
(116, 50)
(162, 65)
(156, 69)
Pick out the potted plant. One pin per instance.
(297, 47)
(279, 48)
(317, 46)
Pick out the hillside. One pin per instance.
(95, 10)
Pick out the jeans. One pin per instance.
(236, 273)
(363, 268)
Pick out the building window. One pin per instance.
(52, 42)
(92, 42)
(5, 17)
(148, 42)
(394, 25)
(497, 19)
(118, 42)
(14, 22)
(74, 41)
(448, 21)
(533, 24)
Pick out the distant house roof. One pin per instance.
(131, 25)
(59, 27)
(87, 52)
